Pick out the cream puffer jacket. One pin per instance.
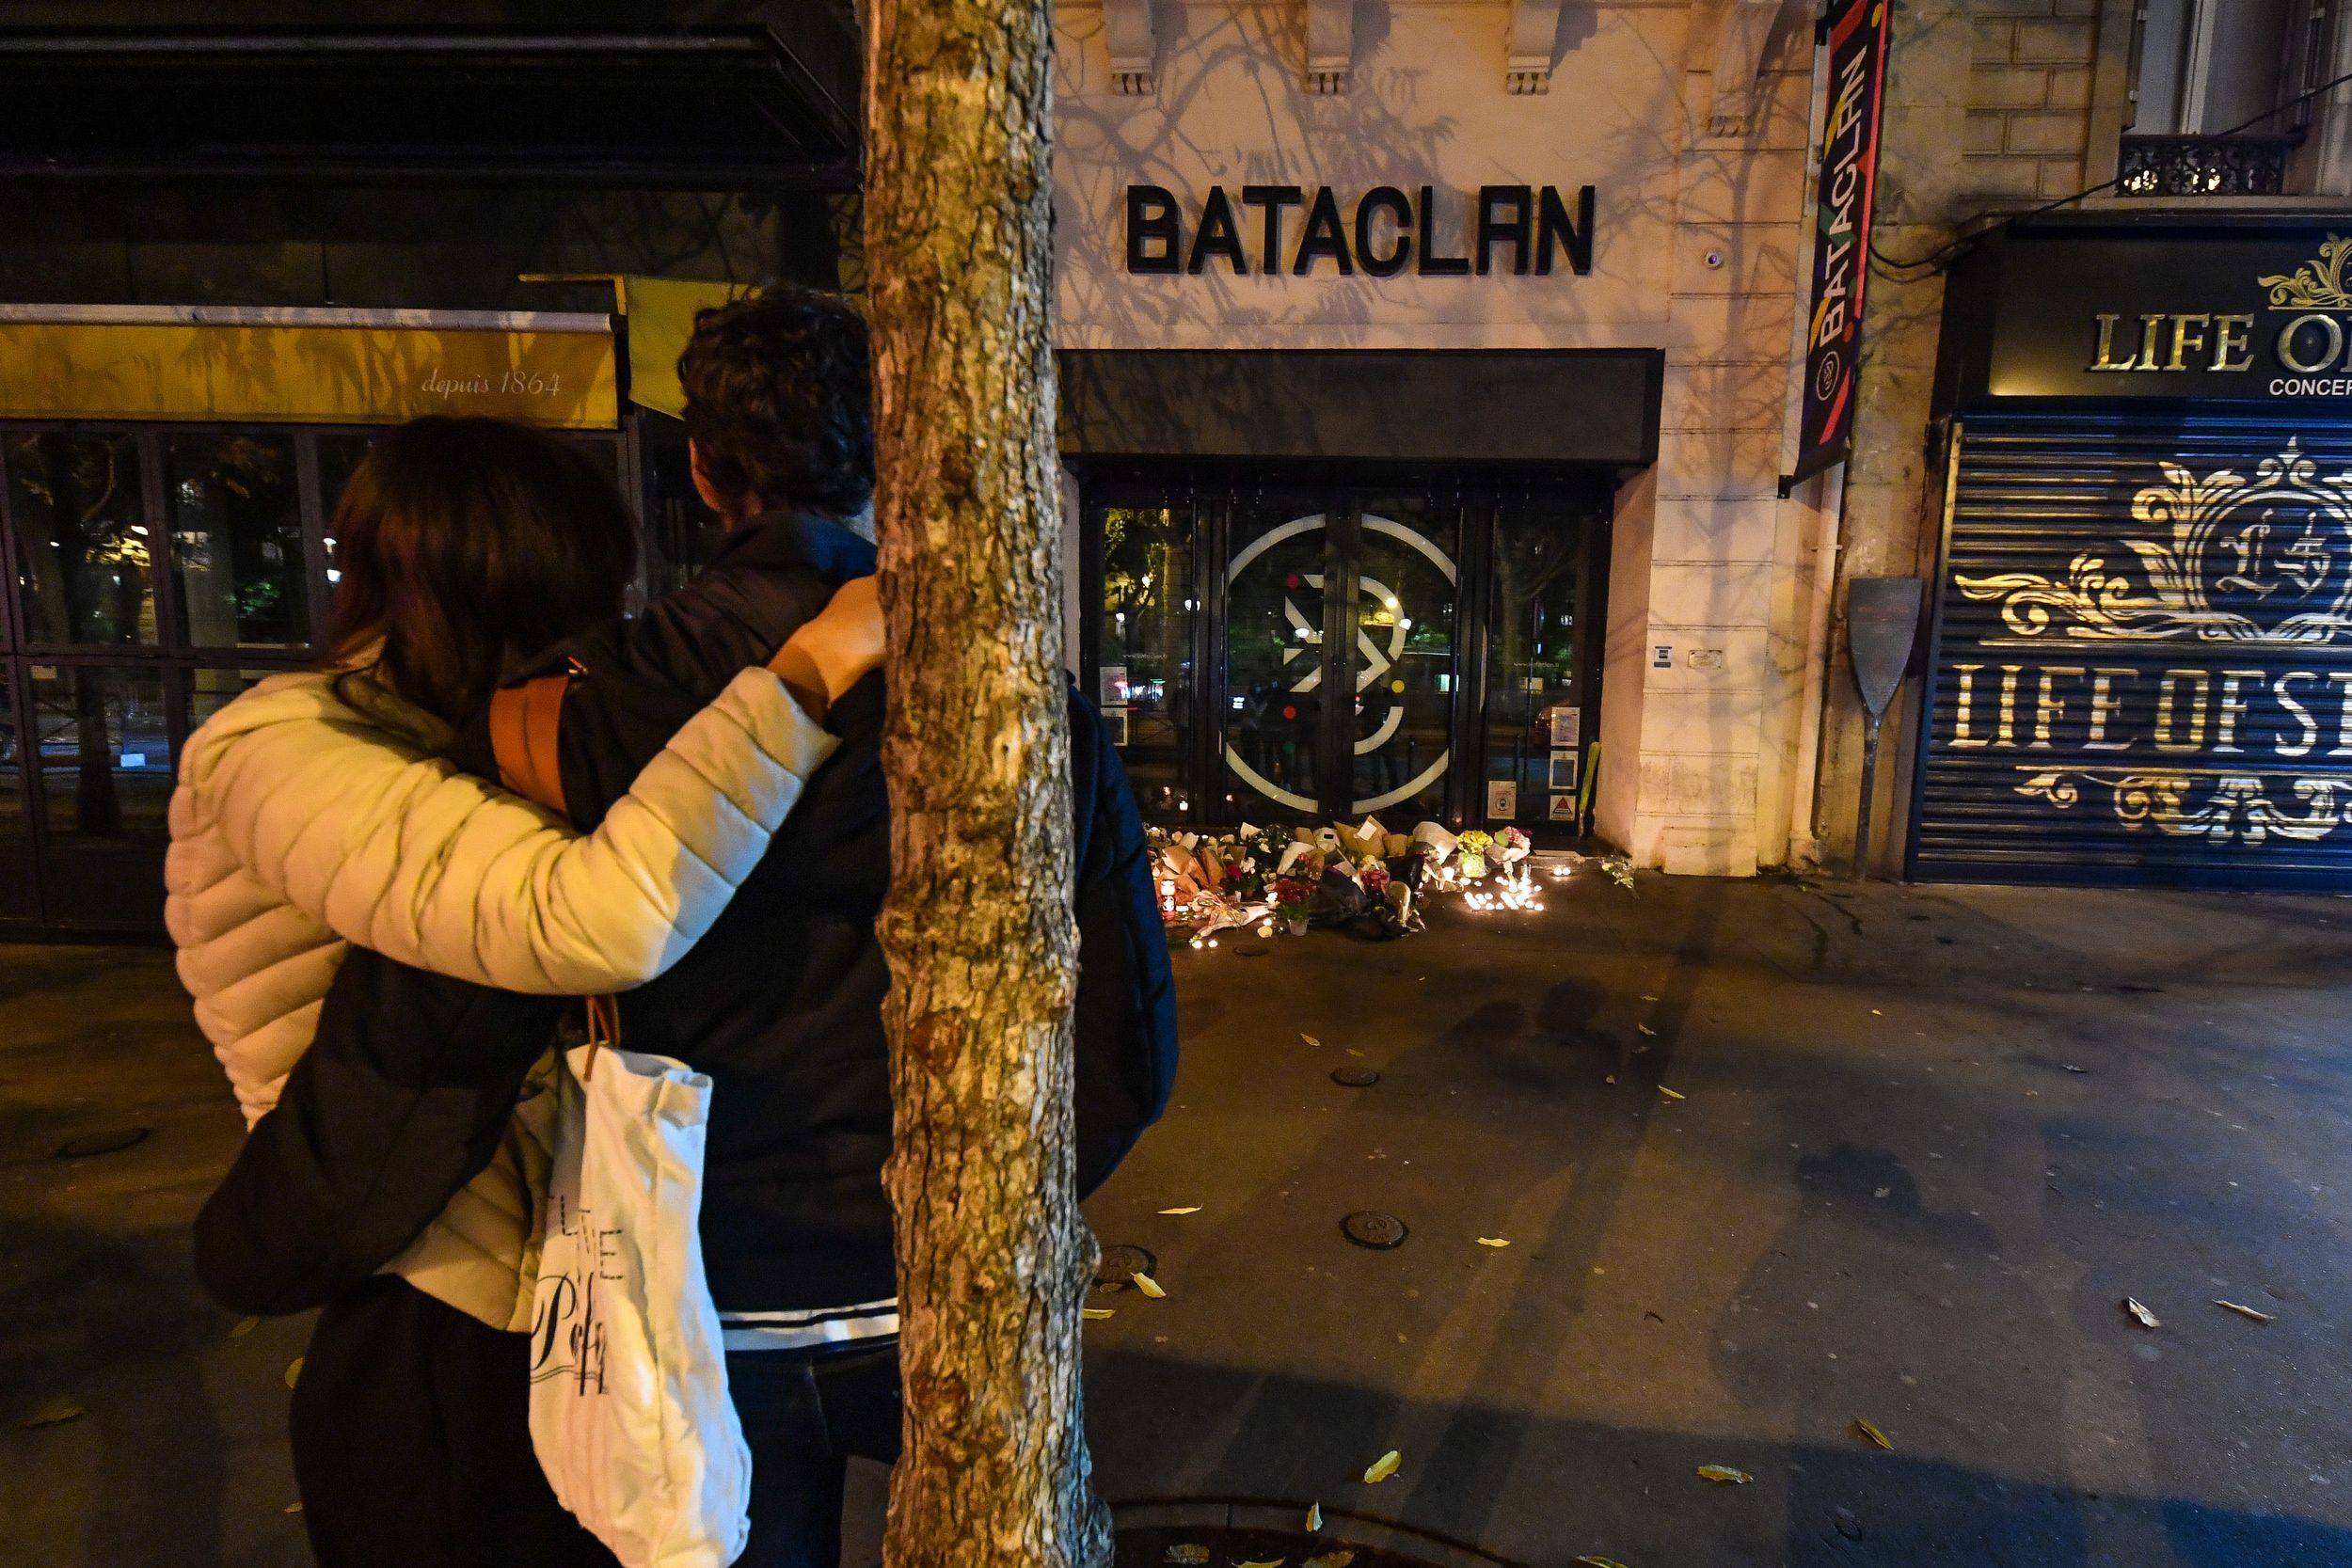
(317, 810)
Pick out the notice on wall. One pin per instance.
(1114, 684)
(1564, 770)
(1564, 808)
(1502, 799)
(1567, 728)
(1858, 31)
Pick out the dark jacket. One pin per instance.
(401, 1097)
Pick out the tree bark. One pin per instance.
(994, 1259)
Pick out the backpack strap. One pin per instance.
(524, 722)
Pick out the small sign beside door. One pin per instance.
(1502, 799)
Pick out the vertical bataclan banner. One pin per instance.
(1858, 31)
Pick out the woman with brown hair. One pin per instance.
(329, 806)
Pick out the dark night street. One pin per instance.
(1930, 1141)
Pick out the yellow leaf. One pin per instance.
(1194, 1208)
(1646, 1029)
(1309, 1039)
(1598, 1562)
(1723, 1475)
(52, 1413)
(1383, 1467)
(243, 1327)
(2241, 1311)
(293, 1372)
(2140, 1315)
(1186, 1552)
(1096, 1314)
(1314, 1517)
(1340, 1559)
(1873, 1433)
(1148, 1286)
(1671, 1094)
(1268, 1562)
(292, 1508)
(1492, 1240)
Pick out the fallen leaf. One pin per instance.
(1723, 1475)
(1309, 1039)
(52, 1413)
(1671, 1094)
(1314, 1518)
(293, 1372)
(2244, 1311)
(1383, 1467)
(1148, 1286)
(1353, 1051)
(2140, 1315)
(1186, 1551)
(1611, 1079)
(2072, 1068)
(292, 1508)
(1096, 1314)
(1492, 1240)
(243, 1327)
(1646, 1029)
(1266, 1562)
(1340, 1559)
(1598, 1562)
(1192, 1209)
(1873, 1433)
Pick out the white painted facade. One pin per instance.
(1699, 251)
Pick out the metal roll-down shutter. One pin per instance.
(2142, 656)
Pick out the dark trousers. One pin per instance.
(411, 1430)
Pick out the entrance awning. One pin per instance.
(306, 366)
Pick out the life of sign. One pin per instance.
(2179, 713)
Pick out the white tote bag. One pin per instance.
(629, 1411)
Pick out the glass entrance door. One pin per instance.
(1340, 655)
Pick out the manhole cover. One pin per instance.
(113, 1142)
(1370, 1227)
(1354, 1077)
(1120, 1264)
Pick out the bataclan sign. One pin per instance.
(1516, 230)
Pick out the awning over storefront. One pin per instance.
(1595, 406)
(306, 366)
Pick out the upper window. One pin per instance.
(2212, 81)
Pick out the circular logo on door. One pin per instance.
(1381, 622)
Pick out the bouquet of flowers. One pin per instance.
(1471, 849)
(1293, 897)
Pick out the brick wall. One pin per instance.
(2029, 97)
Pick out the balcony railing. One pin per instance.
(2204, 166)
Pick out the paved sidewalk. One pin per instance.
(1932, 1138)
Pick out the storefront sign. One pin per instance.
(1273, 230)
(294, 372)
(2174, 311)
(1857, 33)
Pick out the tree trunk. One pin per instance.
(992, 1257)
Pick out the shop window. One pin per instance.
(83, 557)
(235, 509)
(103, 750)
(1144, 624)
